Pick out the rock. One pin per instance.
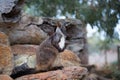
(30, 35)
(24, 32)
(6, 61)
(4, 39)
(5, 77)
(66, 59)
(24, 49)
(25, 54)
(6, 6)
(28, 20)
(93, 76)
(21, 59)
(68, 73)
(11, 10)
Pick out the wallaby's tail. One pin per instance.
(22, 70)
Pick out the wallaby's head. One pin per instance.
(58, 39)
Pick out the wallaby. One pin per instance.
(49, 50)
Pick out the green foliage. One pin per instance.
(103, 44)
(115, 72)
(101, 13)
(96, 44)
(49, 8)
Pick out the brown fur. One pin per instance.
(48, 52)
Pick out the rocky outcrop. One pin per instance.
(33, 30)
(25, 33)
(6, 56)
(22, 32)
(68, 73)
(25, 29)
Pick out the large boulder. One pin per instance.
(6, 57)
(30, 35)
(68, 73)
(66, 59)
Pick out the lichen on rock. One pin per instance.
(6, 56)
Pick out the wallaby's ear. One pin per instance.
(61, 28)
(58, 30)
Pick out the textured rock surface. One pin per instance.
(22, 32)
(31, 35)
(68, 73)
(10, 10)
(5, 77)
(24, 49)
(33, 30)
(18, 25)
(93, 76)
(24, 54)
(66, 59)
(4, 39)
(6, 5)
(6, 62)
